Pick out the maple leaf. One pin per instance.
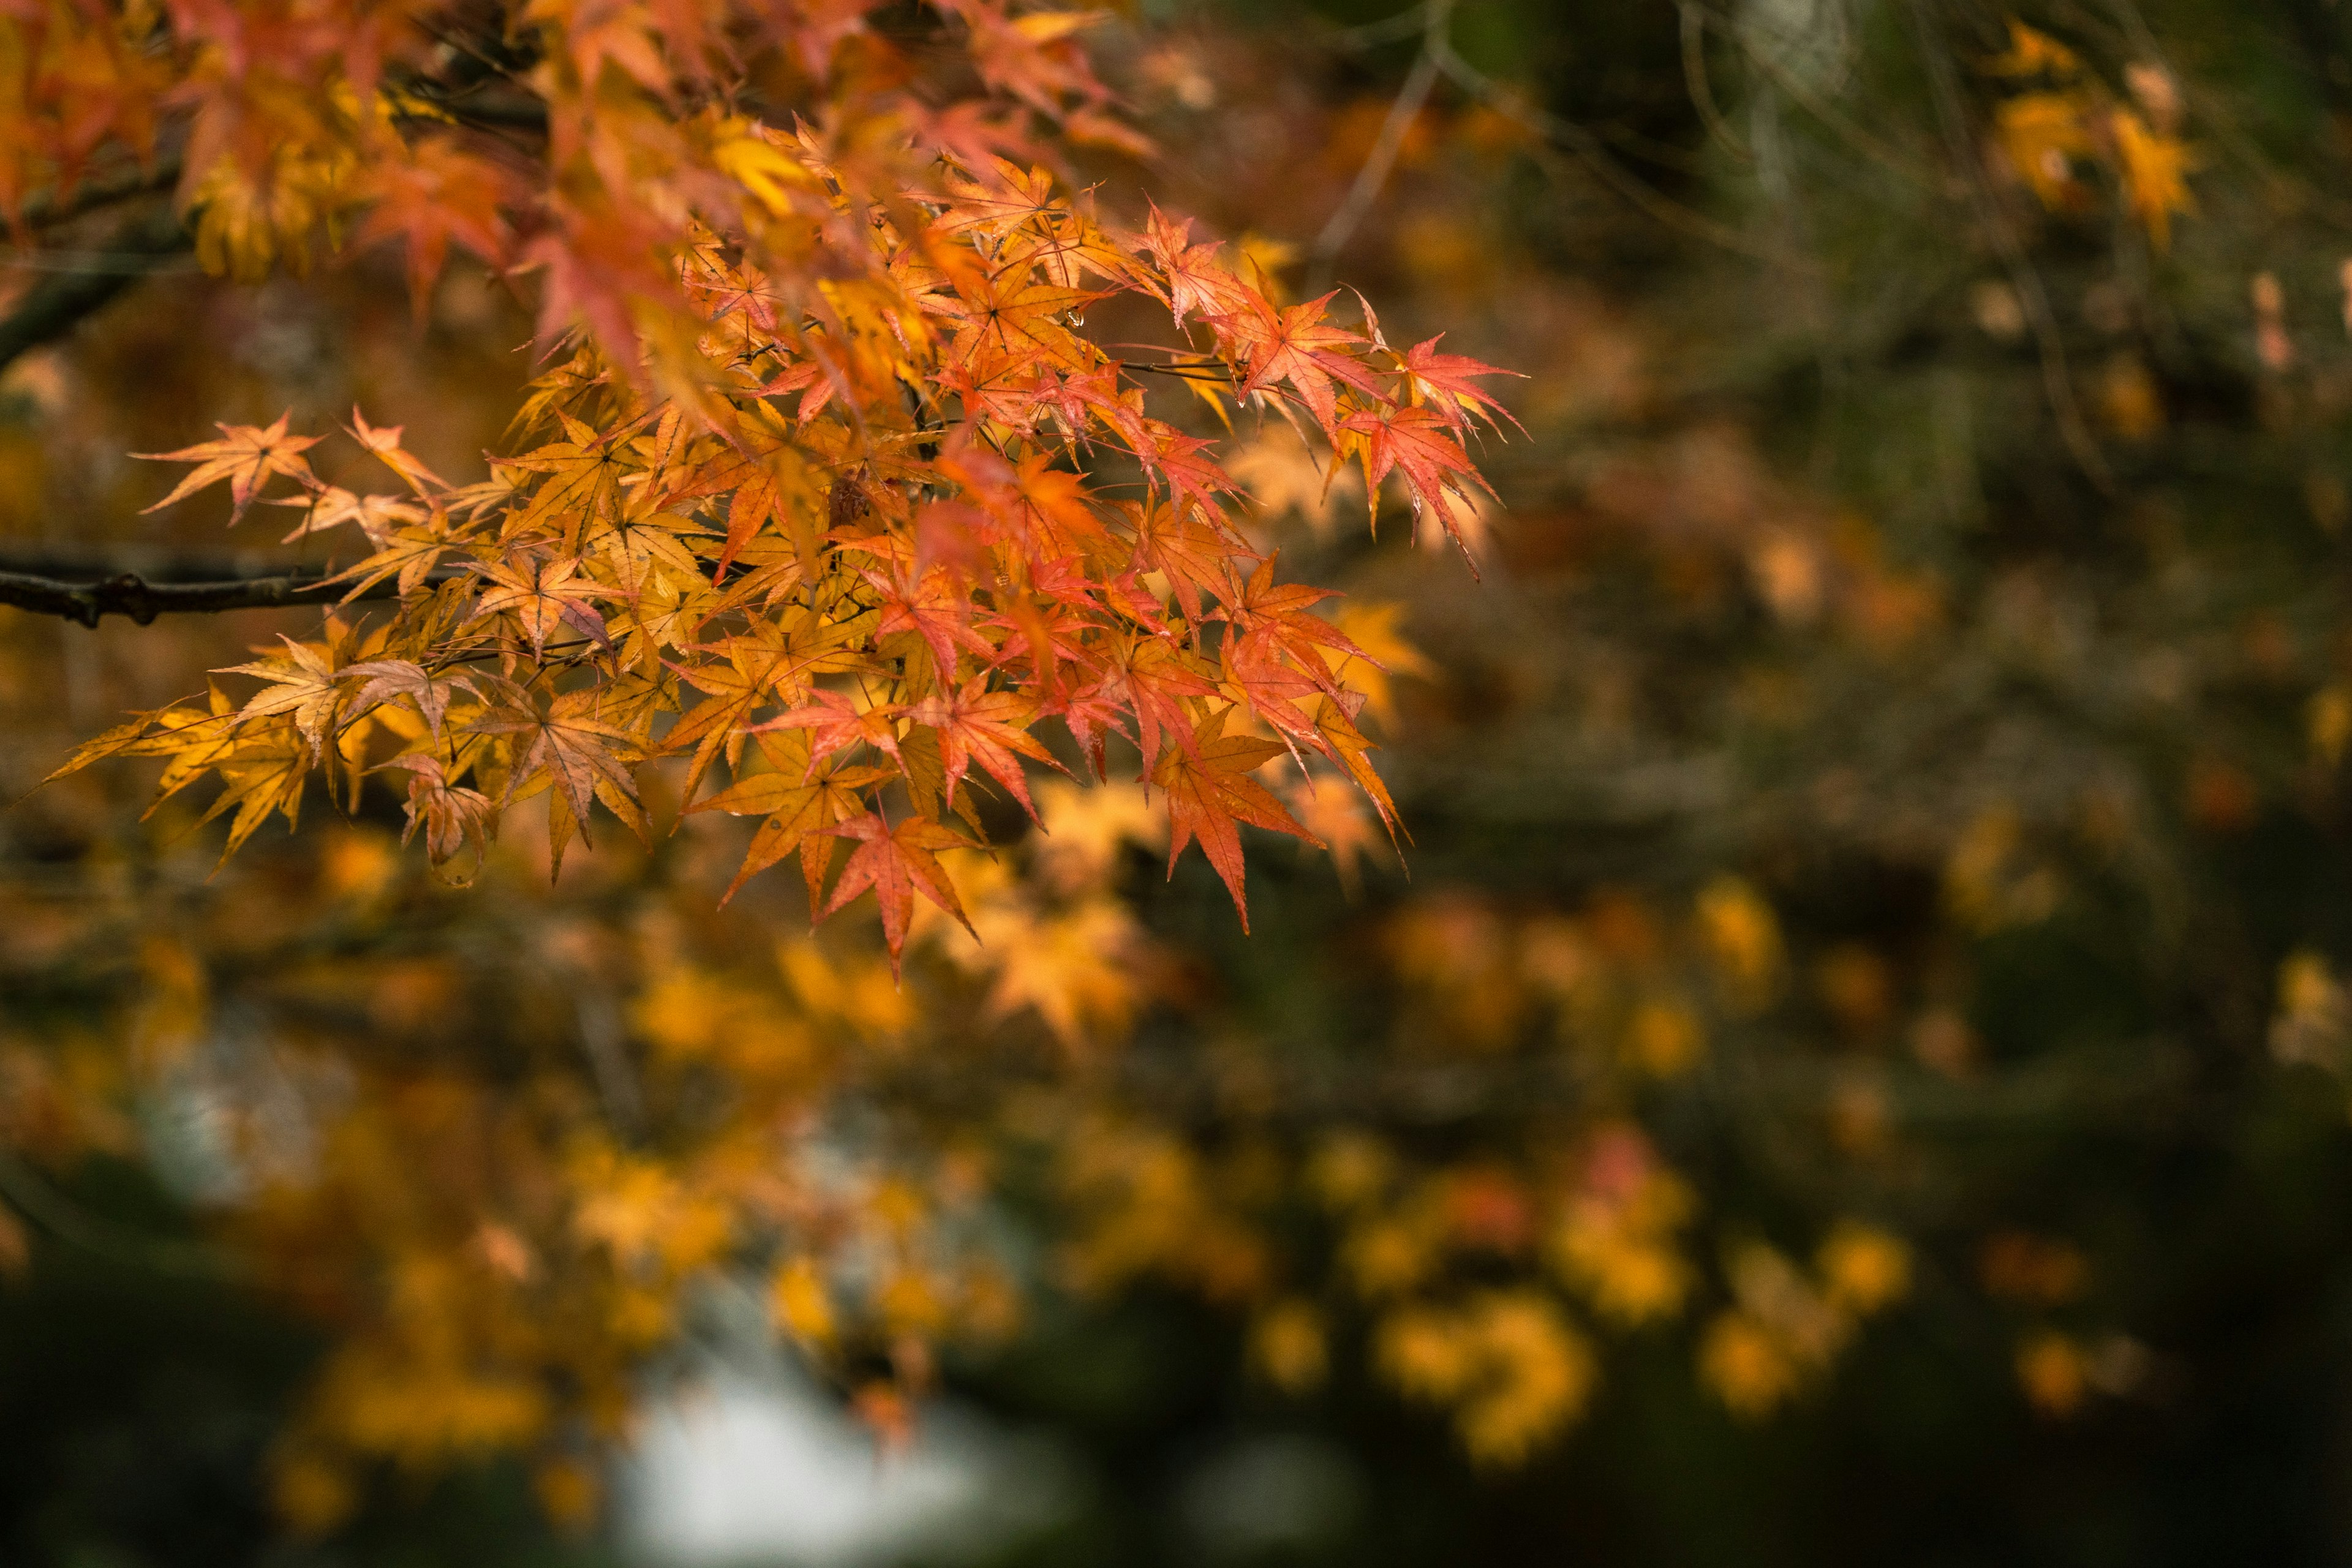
(542, 595)
(1271, 688)
(1278, 616)
(1067, 247)
(583, 755)
(897, 863)
(1444, 381)
(434, 193)
(1181, 462)
(2033, 53)
(1195, 279)
(978, 725)
(774, 662)
(1156, 678)
(1187, 547)
(932, 609)
(1007, 197)
(302, 682)
(1419, 444)
(378, 516)
(1293, 346)
(1042, 631)
(453, 817)
(1337, 737)
(801, 802)
(1051, 511)
(248, 456)
(2155, 170)
(642, 551)
(384, 442)
(1098, 396)
(1092, 714)
(387, 678)
(1007, 318)
(2043, 133)
(583, 475)
(1209, 791)
(754, 502)
(834, 723)
(261, 772)
(408, 557)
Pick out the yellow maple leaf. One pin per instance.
(2042, 134)
(2154, 168)
(2034, 53)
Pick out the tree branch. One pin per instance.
(130, 593)
(49, 206)
(57, 304)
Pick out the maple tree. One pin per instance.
(819, 410)
(822, 484)
(836, 543)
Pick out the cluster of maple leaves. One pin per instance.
(828, 483)
(2063, 117)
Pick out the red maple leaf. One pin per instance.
(1420, 444)
(1195, 279)
(434, 194)
(1443, 381)
(1294, 345)
(1209, 791)
(897, 863)
(978, 725)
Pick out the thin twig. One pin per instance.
(1701, 94)
(51, 206)
(1590, 149)
(24, 1190)
(1382, 158)
(1387, 30)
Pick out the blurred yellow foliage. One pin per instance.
(1863, 1269)
(1507, 1362)
(1746, 1364)
(2054, 1372)
(2044, 134)
(1289, 1344)
(1744, 939)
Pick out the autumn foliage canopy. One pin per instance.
(823, 480)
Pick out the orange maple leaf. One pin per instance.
(246, 456)
(1294, 345)
(897, 863)
(1209, 791)
(1443, 382)
(543, 595)
(1419, 444)
(978, 725)
(801, 805)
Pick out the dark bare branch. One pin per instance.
(61, 300)
(86, 195)
(143, 599)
